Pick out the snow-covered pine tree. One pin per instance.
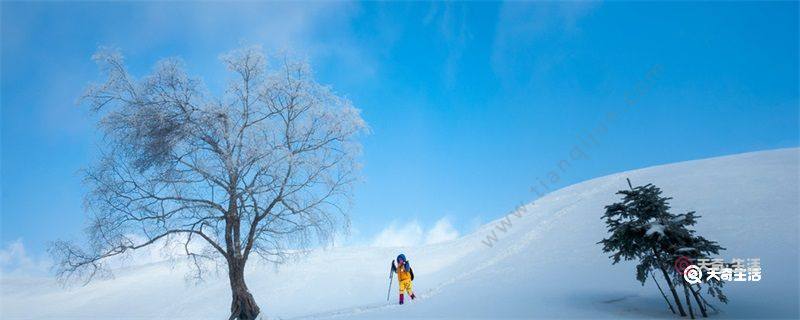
(643, 229)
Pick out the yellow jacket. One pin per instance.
(403, 274)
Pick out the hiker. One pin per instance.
(404, 276)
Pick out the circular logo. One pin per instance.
(682, 262)
(692, 274)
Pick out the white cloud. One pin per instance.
(451, 19)
(413, 234)
(442, 231)
(523, 27)
(14, 260)
(399, 235)
(13, 254)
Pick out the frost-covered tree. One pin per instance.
(265, 168)
(642, 228)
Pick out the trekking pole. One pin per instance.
(388, 292)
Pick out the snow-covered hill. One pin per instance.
(546, 264)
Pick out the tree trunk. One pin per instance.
(705, 303)
(243, 306)
(669, 283)
(674, 292)
(699, 303)
(659, 288)
(688, 300)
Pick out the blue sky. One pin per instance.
(470, 104)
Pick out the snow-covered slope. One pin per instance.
(546, 264)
